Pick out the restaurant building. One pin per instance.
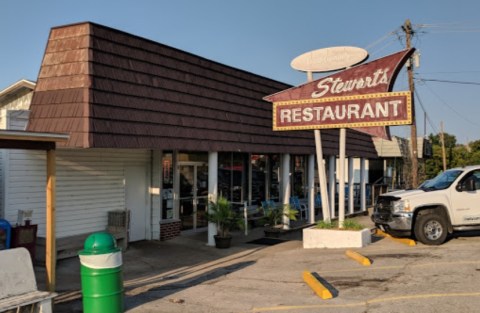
(159, 132)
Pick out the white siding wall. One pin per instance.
(356, 170)
(11, 120)
(90, 183)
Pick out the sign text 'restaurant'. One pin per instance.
(379, 109)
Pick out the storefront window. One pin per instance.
(300, 176)
(233, 177)
(259, 163)
(274, 182)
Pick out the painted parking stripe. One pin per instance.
(368, 302)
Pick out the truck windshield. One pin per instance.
(442, 181)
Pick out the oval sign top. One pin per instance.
(329, 59)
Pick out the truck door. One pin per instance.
(466, 202)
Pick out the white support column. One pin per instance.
(156, 193)
(363, 186)
(332, 183)
(351, 186)
(286, 186)
(176, 185)
(311, 188)
(341, 178)
(212, 192)
(250, 182)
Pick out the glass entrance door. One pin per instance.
(193, 195)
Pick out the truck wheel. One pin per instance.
(431, 229)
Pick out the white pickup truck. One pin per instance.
(447, 203)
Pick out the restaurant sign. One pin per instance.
(377, 109)
(359, 97)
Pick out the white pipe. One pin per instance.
(212, 192)
(350, 186)
(286, 188)
(311, 188)
(322, 176)
(341, 178)
(363, 186)
(332, 182)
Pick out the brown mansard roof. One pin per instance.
(110, 89)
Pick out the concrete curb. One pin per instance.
(358, 257)
(408, 242)
(316, 286)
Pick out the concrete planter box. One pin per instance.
(333, 238)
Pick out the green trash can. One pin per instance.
(101, 274)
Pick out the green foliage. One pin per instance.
(274, 215)
(352, 225)
(348, 224)
(222, 214)
(456, 154)
(326, 225)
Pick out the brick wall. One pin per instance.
(170, 229)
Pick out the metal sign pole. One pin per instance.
(322, 177)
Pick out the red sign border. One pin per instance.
(407, 121)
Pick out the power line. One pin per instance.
(448, 81)
(387, 36)
(432, 125)
(452, 72)
(450, 28)
(378, 41)
(448, 106)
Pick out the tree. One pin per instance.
(457, 154)
(474, 145)
(434, 165)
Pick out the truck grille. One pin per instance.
(383, 208)
(383, 204)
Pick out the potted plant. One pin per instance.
(274, 216)
(221, 214)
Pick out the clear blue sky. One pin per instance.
(263, 36)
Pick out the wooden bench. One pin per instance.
(18, 287)
(68, 247)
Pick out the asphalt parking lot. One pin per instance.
(184, 275)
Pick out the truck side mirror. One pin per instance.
(467, 185)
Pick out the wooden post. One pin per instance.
(407, 28)
(51, 251)
(442, 141)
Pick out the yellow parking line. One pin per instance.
(358, 257)
(316, 286)
(408, 242)
(358, 304)
(398, 267)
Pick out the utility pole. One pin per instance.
(407, 28)
(442, 141)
